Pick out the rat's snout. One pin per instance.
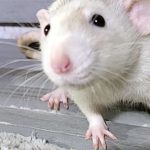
(61, 63)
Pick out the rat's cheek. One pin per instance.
(45, 62)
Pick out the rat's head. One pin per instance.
(84, 40)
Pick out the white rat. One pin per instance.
(95, 51)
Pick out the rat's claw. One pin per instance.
(55, 98)
(95, 142)
(102, 141)
(46, 97)
(98, 134)
(88, 134)
(65, 101)
(110, 135)
(56, 104)
(51, 103)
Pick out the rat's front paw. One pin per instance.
(97, 133)
(55, 98)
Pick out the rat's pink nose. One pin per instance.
(61, 64)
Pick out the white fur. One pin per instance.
(114, 60)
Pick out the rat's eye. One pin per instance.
(98, 20)
(46, 29)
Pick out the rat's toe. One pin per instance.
(88, 134)
(110, 135)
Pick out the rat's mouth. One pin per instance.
(75, 81)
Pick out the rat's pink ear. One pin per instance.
(139, 13)
(43, 17)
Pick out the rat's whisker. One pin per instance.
(16, 45)
(37, 78)
(94, 92)
(120, 77)
(41, 87)
(15, 79)
(31, 78)
(14, 70)
(17, 61)
(29, 71)
(103, 79)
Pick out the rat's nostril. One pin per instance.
(66, 65)
(61, 64)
